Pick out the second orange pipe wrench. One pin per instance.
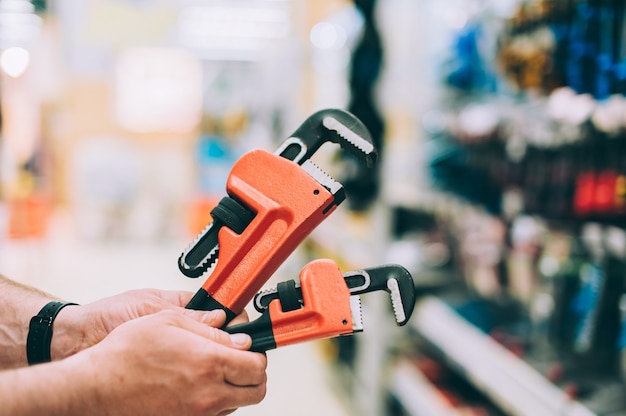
(324, 304)
(274, 201)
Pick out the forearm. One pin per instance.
(63, 388)
(173, 362)
(18, 304)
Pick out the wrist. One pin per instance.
(68, 335)
(41, 328)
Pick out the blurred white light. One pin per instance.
(157, 89)
(549, 266)
(14, 61)
(326, 35)
(219, 30)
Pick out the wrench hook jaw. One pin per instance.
(330, 125)
(392, 278)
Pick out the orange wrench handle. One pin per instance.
(288, 204)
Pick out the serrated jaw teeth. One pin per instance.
(259, 299)
(357, 313)
(193, 264)
(209, 261)
(396, 301)
(363, 147)
(322, 177)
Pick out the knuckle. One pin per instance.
(261, 391)
(260, 376)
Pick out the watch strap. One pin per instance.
(40, 332)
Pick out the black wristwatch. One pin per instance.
(40, 332)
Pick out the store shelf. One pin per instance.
(416, 393)
(514, 386)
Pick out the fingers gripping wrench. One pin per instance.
(274, 201)
(325, 304)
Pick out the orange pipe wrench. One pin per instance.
(325, 304)
(274, 201)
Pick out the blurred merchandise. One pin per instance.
(28, 217)
(519, 225)
(362, 183)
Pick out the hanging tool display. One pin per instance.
(325, 304)
(362, 185)
(274, 201)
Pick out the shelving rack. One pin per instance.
(416, 393)
(508, 381)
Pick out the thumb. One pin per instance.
(241, 341)
(238, 341)
(216, 319)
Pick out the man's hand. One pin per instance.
(79, 327)
(177, 362)
(173, 362)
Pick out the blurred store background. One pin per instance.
(501, 185)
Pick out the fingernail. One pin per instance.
(240, 340)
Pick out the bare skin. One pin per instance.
(138, 353)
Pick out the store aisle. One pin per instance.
(297, 385)
(297, 376)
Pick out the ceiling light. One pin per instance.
(14, 61)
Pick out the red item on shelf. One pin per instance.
(604, 192)
(29, 217)
(584, 194)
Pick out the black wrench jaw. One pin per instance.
(392, 278)
(330, 125)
